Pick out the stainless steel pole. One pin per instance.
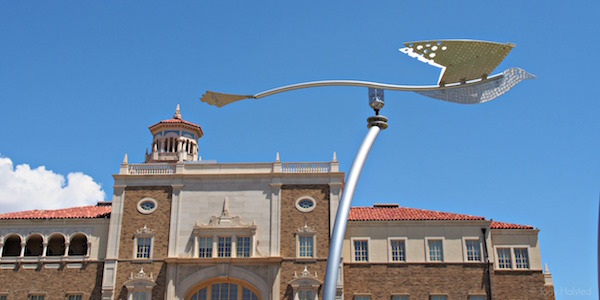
(341, 218)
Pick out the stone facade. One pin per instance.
(157, 224)
(54, 284)
(262, 229)
(292, 220)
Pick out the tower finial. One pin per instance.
(177, 113)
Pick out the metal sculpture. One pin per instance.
(464, 78)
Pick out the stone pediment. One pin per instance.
(224, 221)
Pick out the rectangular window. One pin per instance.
(438, 297)
(305, 246)
(362, 297)
(521, 258)
(36, 297)
(504, 260)
(473, 251)
(143, 247)
(3, 297)
(205, 247)
(305, 295)
(140, 296)
(399, 297)
(435, 250)
(224, 247)
(361, 251)
(70, 297)
(398, 250)
(476, 297)
(243, 246)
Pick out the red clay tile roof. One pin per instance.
(380, 213)
(402, 214)
(503, 225)
(101, 210)
(178, 121)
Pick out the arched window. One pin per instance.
(56, 245)
(34, 245)
(226, 290)
(78, 245)
(12, 246)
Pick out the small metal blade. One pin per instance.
(220, 99)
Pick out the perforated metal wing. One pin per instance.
(460, 60)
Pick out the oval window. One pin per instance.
(305, 204)
(147, 206)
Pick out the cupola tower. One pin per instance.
(174, 140)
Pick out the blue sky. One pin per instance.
(81, 82)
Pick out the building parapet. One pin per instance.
(234, 168)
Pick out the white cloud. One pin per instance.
(23, 188)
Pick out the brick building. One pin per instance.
(182, 228)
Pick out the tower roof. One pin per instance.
(176, 122)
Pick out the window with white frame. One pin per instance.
(205, 247)
(399, 297)
(472, 250)
(224, 246)
(361, 250)
(435, 251)
(143, 242)
(504, 258)
(305, 242)
(139, 286)
(397, 250)
(521, 258)
(243, 246)
(144, 245)
(305, 246)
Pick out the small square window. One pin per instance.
(243, 246)
(436, 252)
(504, 259)
(521, 258)
(361, 250)
(473, 250)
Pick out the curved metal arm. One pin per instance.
(470, 92)
(341, 218)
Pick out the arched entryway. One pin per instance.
(242, 278)
(228, 289)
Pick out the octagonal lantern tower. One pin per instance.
(174, 140)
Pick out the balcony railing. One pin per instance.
(151, 169)
(241, 168)
(309, 167)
